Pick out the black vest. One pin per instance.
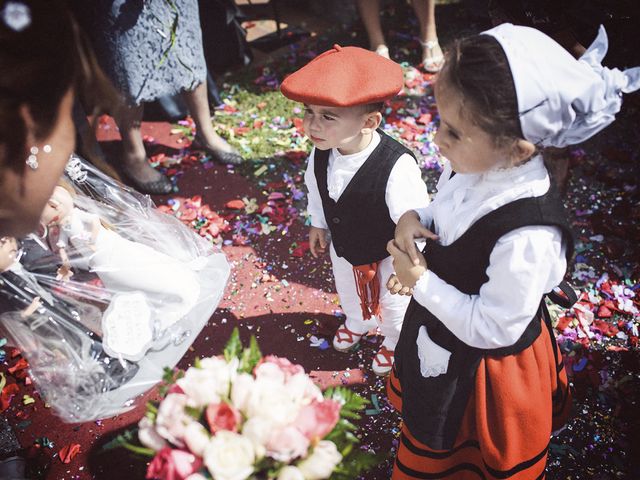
(359, 221)
(433, 407)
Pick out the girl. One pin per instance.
(478, 374)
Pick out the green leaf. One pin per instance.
(145, 452)
(250, 356)
(168, 374)
(169, 377)
(124, 441)
(233, 348)
(352, 403)
(152, 411)
(355, 464)
(194, 412)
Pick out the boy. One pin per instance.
(360, 181)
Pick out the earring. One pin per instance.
(32, 160)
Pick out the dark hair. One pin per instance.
(39, 64)
(373, 107)
(478, 69)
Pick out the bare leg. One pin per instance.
(198, 104)
(431, 51)
(134, 155)
(370, 14)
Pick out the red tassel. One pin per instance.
(368, 288)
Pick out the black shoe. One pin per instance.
(162, 186)
(231, 158)
(13, 468)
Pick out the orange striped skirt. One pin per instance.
(516, 403)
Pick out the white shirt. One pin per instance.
(405, 188)
(524, 264)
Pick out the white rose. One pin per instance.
(196, 437)
(241, 390)
(196, 476)
(229, 456)
(149, 436)
(290, 473)
(219, 363)
(208, 383)
(258, 430)
(271, 401)
(269, 371)
(321, 463)
(302, 389)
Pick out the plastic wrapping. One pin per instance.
(106, 294)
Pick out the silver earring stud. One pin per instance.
(32, 162)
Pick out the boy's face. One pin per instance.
(338, 127)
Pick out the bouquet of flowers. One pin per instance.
(245, 416)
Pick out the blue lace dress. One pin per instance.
(149, 48)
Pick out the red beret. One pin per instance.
(344, 77)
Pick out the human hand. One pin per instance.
(407, 272)
(395, 286)
(407, 230)
(317, 241)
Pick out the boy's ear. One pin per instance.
(522, 150)
(371, 122)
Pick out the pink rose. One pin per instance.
(222, 416)
(286, 444)
(318, 418)
(170, 464)
(285, 365)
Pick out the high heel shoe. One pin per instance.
(161, 186)
(231, 158)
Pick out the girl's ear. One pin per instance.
(371, 122)
(521, 151)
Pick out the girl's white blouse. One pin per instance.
(524, 264)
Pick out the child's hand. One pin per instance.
(407, 272)
(407, 230)
(317, 240)
(395, 287)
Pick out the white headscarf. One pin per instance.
(562, 101)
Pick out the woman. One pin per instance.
(44, 62)
(149, 50)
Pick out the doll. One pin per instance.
(16, 283)
(49, 319)
(151, 290)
